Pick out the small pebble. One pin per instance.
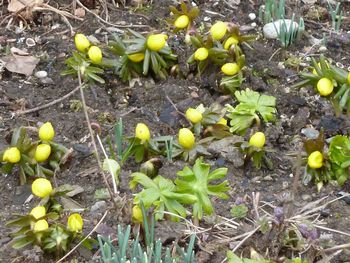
(268, 178)
(306, 197)
(252, 16)
(41, 74)
(253, 24)
(285, 185)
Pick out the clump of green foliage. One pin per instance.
(132, 251)
(251, 106)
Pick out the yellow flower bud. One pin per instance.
(222, 121)
(349, 78)
(46, 132)
(142, 132)
(156, 42)
(42, 152)
(193, 115)
(230, 69)
(41, 187)
(315, 160)
(38, 212)
(137, 57)
(12, 155)
(186, 138)
(257, 140)
(218, 30)
(325, 86)
(137, 213)
(95, 54)
(40, 225)
(81, 42)
(201, 54)
(229, 42)
(182, 21)
(75, 223)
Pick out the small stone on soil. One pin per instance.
(99, 206)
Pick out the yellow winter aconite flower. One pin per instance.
(40, 225)
(12, 155)
(230, 69)
(218, 30)
(41, 187)
(156, 42)
(42, 152)
(182, 21)
(186, 138)
(315, 160)
(349, 78)
(137, 57)
(137, 213)
(81, 42)
(142, 132)
(325, 86)
(201, 54)
(95, 54)
(229, 42)
(258, 140)
(38, 212)
(46, 132)
(222, 121)
(193, 115)
(75, 222)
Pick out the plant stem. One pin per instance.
(93, 138)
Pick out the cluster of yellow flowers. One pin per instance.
(218, 32)
(83, 45)
(42, 151)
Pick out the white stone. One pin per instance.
(41, 74)
(252, 16)
(271, 30)
(253, 24)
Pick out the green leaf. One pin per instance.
(239, 211)
(251, 103)
(196, 181)
(111, 166)
(22, 242)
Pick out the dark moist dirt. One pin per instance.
(150, 101)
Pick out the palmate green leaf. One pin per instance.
(252, 100)
(339, 149)
(196, 181)
(160, 193)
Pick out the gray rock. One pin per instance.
(99, 206)
(268, 178)
(271, 30)
(310, 133)
(41, 74)
(225, 149)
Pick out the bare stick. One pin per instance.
(81, 242)
(106, 22)
(48, 104)
(331, 249)
(93, 138)
(109, 165)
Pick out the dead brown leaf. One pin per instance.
(20, 62)
(18, 5)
